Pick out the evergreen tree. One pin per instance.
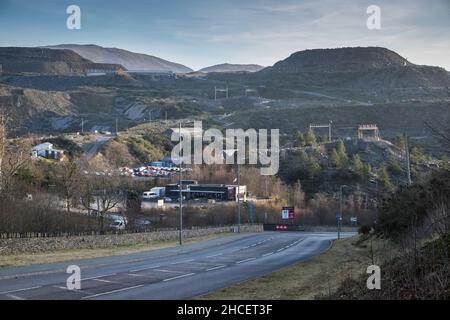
(383, 177)
(310, 138)
(335, 159)
(417, 155)
(313, 166)
(342, 152)
(394, 167)
(301, 139)
(367, 171)
(358, 166)
(399, 141)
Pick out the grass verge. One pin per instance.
(317, 277)
(24, 259)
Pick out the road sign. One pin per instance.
(338, 216)
(287, 213)
(354, 219)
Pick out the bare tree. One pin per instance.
(70, 180)
(13, 157)
(101, 193)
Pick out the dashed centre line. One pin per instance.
(178, 277)
(113, 291)
(245, 260)
(146, 268)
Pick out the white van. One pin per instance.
(149, 195)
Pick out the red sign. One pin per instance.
(287, 213)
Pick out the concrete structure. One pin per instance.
(98, 72)
(46, 150)
(155, 75)
(328, 126)
(369, 128)
(251, 92)
(216, 90)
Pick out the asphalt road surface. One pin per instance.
(172, 273)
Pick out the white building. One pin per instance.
(45, 150)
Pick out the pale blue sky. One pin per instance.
(200, 33)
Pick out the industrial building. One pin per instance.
(219, 192)
(46, 150)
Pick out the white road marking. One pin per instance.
(105, 275)
(242, 261)
(267, 254)
(190, 260)
(19, 290)
(215, 268)
(169, 271)
(280, 250)
(101, 280)
(215, 255)
(135, 275)
(146, 268)
(60, 287)
(14, 297)
(178, 277)
(113, 291)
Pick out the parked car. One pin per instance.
(117, 225)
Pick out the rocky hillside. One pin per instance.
(339, 60)
(371, 74)
(130, 60)
(229, 68)
(19, 60)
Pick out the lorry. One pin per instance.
(154, 194)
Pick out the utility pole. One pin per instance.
(340, 214)
(82, 125)
(329, 132)
(3, 141)
(408, 160)
(117, 126)
(181, 193)
(238, 195)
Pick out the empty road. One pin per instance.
(172, 273)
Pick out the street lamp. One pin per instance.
(180, 188)
(230, 152)
(339, 218)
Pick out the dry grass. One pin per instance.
(319, 276)
(67, 255)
